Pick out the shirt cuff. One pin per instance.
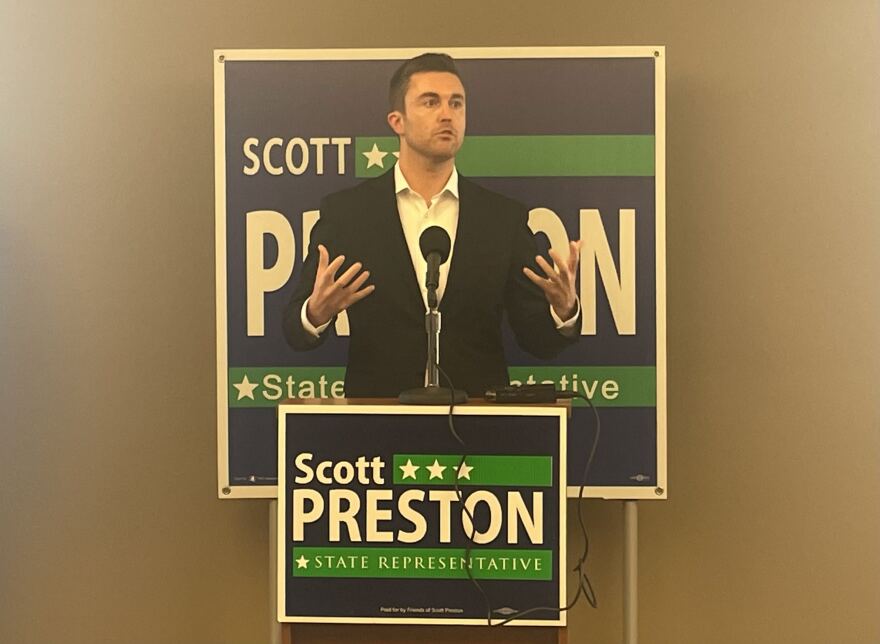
(568, 328)
(310, 328)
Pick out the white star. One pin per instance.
(396, 155)
(464, 472)
(375, 156)
(436, 470)
(245, 388)
(409, 470)
(302, 562)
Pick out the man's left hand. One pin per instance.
(558, 282)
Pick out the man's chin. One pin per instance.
(442, 158)
(436, 153)
(444, 153)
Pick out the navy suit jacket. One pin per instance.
(388, 344)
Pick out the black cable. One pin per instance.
(470, 538)
(589, 593)
(585, 586)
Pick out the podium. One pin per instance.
(393, 526)
(403, 634)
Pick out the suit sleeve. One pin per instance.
(324, 233)
(527, 309)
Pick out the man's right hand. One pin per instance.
(330, 295)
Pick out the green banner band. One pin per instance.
(271, 386)
(593, 155)
(422, 563)
(605, 386)
(441, 469)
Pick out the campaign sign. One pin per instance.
(576, 134)
(371, 529)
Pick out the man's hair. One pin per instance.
(424, 63)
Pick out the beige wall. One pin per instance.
(109, 525)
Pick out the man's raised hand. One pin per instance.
(332, 295)
(558, 282)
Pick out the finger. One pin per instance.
(350, 272)
(542, 282)
(544, 265)
(361, 294)
(559, 266)
(323, 257)
(358, 281)
(574, 256)
(563, 268)
(335, 265)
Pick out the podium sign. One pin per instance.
(370, 529)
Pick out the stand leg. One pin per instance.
(630, 573)
(274, 624)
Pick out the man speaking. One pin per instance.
(364, 258)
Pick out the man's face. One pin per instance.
(433, 123)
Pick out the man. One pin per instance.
(364, 258)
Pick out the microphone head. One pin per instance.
(435, 240)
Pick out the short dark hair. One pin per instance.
(424, 63)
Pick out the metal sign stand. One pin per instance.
(630, 573)
(275, 633)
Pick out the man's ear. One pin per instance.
(395, 120)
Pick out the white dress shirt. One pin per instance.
(415, 216)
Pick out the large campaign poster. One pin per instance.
(577, 134)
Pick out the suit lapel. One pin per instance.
(470, 244)
(398, 276)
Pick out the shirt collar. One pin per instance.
(401, 184)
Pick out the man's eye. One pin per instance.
(431, 101)
(457, 104)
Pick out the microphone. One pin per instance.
(435, 245)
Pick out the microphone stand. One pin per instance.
(433, 393)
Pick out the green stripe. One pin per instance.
(529, 471)
(277, 384)
(593, 155)
(604, 386)
(607, 386)
(422, 563)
